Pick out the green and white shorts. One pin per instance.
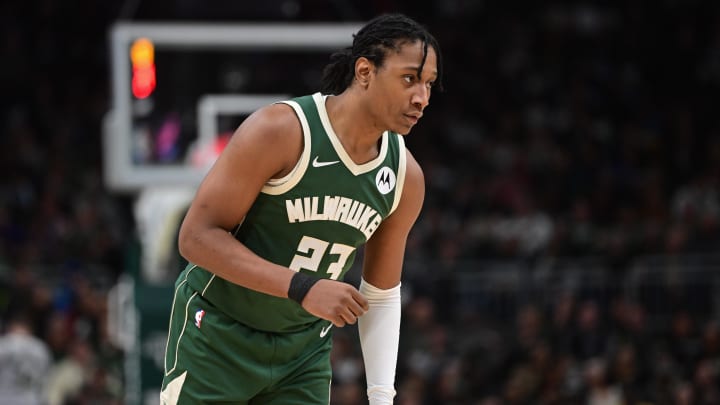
(211, 358)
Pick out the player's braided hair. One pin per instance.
(373, 41)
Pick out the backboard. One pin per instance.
(204, 80)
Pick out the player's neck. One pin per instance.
(353, 126)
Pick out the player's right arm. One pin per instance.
(267, 145)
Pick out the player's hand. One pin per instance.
(335, 301)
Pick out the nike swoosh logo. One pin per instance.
(324, 331)
(316, 163)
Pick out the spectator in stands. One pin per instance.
(24, 363)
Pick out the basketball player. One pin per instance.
(278, 220)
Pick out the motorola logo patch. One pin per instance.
(385, 180)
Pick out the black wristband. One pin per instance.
(300, 284)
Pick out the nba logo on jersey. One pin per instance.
(385, 180)
(198, 317)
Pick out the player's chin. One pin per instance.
(403, 129)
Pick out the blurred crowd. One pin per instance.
(564, 130)
(574, 351)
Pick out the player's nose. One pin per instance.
(421, 97)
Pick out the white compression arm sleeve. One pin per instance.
(379, 332)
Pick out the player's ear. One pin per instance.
(363, 71)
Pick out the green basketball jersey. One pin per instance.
(312, 220)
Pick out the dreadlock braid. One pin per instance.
(373, 41)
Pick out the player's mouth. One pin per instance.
(413, 118)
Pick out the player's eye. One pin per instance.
(409, 79)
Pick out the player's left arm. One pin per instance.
(379, 328)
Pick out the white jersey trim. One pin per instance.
(286, 183)
(354, 168)
(402, 166)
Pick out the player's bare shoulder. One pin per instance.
(273, 132)
(274, 124)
